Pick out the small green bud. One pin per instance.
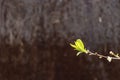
(79, 46)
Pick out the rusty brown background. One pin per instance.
(35, 37)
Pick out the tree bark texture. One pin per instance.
(35, 37)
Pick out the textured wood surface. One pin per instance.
(35, 37)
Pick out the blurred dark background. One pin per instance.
(35, 37)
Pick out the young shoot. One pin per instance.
(79, 46)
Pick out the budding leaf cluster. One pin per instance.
(79, 46)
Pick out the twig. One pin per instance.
(102, 56)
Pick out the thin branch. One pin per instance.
(102, 56)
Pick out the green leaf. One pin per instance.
(80, 43)
(79, 46)
(74, 46)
